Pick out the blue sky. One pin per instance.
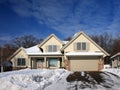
(62, 17)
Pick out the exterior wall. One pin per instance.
(116, 62)
(21, 54)
(84, 63)
(52, 41)
(82, 38)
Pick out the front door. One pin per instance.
(39, 63)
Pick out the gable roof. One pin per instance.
(52, 35)
(34, 49)
(16, 52)
(77, 35)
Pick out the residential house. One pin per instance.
(115, 60)
(79, 54)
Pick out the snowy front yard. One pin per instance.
(60, 79)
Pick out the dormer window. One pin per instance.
(52, 48)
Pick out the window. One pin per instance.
(53, 62)
(81, 46)
(52, 48)
(21, 62)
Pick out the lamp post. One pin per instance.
(1, 58)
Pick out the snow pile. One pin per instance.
(113, 70)
(29, 79)
(60, 79)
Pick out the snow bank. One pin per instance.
(44, 79)
(30, 79)
(113, 70)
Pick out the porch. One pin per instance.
(51, 62)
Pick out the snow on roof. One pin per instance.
(84, 54)
(115, 55)
(65, 42)
(75, 34)
(46, 53)
(34, 49)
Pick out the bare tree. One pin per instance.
(68, 38)
(116, 46)
(26, 41)
(105, 41)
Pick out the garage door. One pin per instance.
(84, 63)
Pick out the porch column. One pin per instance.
(29, 62)
(62, 61)
(45, 61)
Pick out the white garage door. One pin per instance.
(84, 63)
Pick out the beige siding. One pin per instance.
(52, 41)
(91, 47)
(21, 54)
(84, 63)
(116, 64)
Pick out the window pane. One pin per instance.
(83, 46)
(53, 62)
(50, 48)
(21, 61)
(54, 48)
(78, 46)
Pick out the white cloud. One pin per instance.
(5, 39)
(70, 16)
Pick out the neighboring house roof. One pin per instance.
(52, 35)
(84, 54)
(77, 35)
(115, 55)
